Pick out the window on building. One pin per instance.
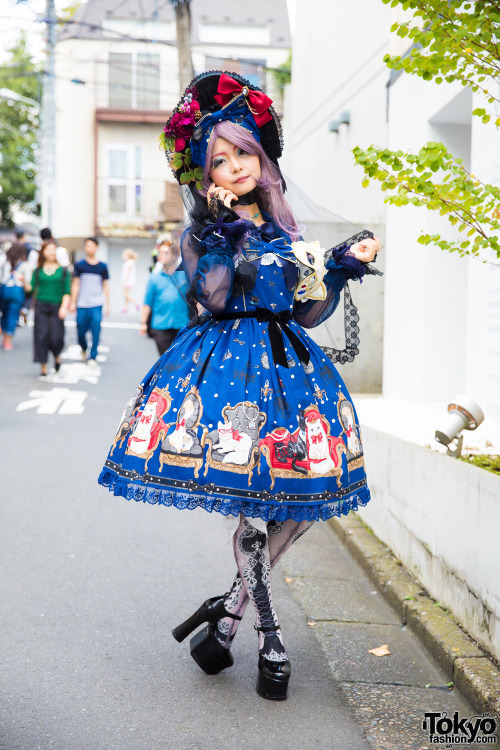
(148, 81)
(120, 79)
(124, 181)
(253, 70)
(134, 80)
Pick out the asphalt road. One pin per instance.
(93, 584)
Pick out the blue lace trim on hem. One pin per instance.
(229, 506)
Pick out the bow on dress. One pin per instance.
(278, 325)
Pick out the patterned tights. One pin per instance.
(256, 553)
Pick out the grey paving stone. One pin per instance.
(320, 553)
(349, 601)
(392, 716)
(347, 647)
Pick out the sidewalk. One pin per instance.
(389, 695)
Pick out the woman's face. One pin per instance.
(50, 253)
(233, 169)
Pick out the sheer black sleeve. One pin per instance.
(211, 275)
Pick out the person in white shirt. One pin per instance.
(128, 278)
(14, 283)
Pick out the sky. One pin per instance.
(24, 15)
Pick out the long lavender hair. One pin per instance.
(269, 188)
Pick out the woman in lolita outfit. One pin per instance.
(244, 414)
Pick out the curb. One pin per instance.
(472, 672)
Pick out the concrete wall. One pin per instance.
(441, 518)
(335, 71)
(442, 312)
(75, 107)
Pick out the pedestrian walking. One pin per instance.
(89, 294)
(14, 285)
(165, 307)
(129, 258)
(245, 415)
(62, 253)
(23, 239)
(51, 292)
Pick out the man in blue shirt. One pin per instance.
(89, 293)
(165, 302)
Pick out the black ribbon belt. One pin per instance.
(278, 324)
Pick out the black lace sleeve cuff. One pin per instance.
(340, 255)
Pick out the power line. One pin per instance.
(121, 34)
(130, 37)
(165, 42)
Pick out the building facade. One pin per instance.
(338, 100)
(111, 178)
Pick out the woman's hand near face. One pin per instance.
(226, 196)
(366, 250)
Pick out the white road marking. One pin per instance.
(128, 326)
(104, 324)
(71, 374)
(74, 352)
(60, 400)
(63, 400)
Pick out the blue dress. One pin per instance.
(234, 418)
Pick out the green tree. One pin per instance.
(283, 73)
(451, 40)
(65, 15)
(18, 132)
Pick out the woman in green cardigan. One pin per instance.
(51, 291)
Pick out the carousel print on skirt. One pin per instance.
(245, 415)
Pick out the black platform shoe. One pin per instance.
(208, 653)
(272, 681)
(210, 611)
(206, 650)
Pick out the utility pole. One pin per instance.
(183, 27)
(47, 176)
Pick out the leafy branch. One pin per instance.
(434, 178)
(453, 40)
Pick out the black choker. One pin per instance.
(247, 199)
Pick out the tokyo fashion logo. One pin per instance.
(449, 731)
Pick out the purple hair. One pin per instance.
(269, 187)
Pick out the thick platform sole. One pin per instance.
(273, 690)
(208, 653)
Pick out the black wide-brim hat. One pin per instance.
(204, 89)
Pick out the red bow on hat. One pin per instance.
(258, 101)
